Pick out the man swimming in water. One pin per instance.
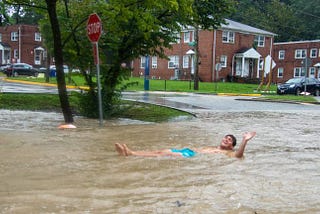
(226, 147)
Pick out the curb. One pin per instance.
(44, 84)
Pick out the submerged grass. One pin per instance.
(49, 102)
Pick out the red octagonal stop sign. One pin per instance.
(94, 27)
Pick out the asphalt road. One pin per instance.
(199, 102)
(185, 101)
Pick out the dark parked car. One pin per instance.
(297, 85)
(17, 69)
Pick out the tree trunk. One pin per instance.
(58, 56)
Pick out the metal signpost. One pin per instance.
(94, 28)
(146, 74)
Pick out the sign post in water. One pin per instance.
(94, 28)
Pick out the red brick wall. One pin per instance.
(289, 62)
(206, 46)
(28, 43)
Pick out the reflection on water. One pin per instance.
(46, 170)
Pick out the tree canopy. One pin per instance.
(291, 20)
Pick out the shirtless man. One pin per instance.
(226, 147)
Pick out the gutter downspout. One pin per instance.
(19, 31)
(214, 55)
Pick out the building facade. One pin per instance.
(293, 59)
(234, 50)
(21, 43)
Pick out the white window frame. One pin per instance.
(186, 37)
(177, 38)
(312, 71)
(228, 36)
(185, 61)
(261, 64)
(143, 62)
(224, 61)
(299, 72)
(154, 62)
(15, 53)
(300, 53)
(260, 40)
(282, 54)
(37, 37)
(14, 36)
(173, 62)
(192, 36)
(313, 53)
(280, 72)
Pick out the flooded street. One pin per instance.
(47, 170)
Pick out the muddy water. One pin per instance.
(46, 170)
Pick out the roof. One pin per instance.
(239, 27)
(4, 46)
(248, 53)
(297, 42)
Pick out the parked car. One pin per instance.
(4, 67)
(297, 85)
(17, 69)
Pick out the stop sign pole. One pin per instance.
(94, 28)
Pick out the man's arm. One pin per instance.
(245, 138)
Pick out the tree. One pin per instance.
(50, 7)
(309, 14)
(131, 29)
(208, 14)
(58, 55)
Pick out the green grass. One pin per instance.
(168, 85)
(51, 103)
(187, 86)
(294, 98)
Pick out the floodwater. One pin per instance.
(47, 170)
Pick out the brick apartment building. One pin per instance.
(21, 43)
(235, 49)
(290, 59)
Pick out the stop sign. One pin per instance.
(94, 27)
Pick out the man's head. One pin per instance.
(228, 142)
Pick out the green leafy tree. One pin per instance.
(309, 14)
(208, 15)
(131, 29)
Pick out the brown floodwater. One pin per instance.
(47, 170)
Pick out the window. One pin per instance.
(37, 37)
(154, 62)
(313, 53)
(14, 36)
(261, 64)
(15, 54)
(223, 61)
(173, 62)
(312, 71)
(301, 53)
(186, 37)
(0, 37)
(142, 62)
(299, 72)
(176, 38)
(259, 40)
(185, 63)
(227, 37)
(280, 72)
(281, 54)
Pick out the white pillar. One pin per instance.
(242, 69)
